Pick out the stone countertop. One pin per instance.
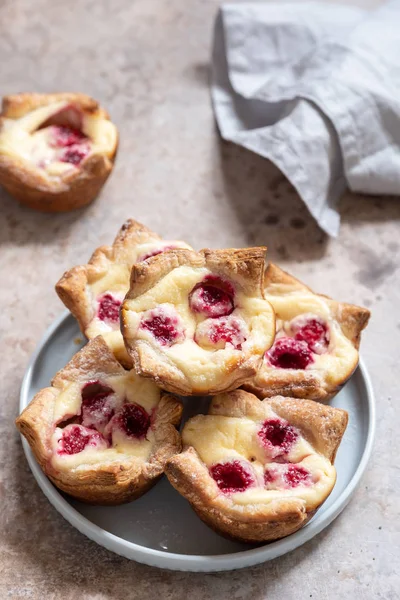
(147, 61)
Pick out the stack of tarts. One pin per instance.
(164, 321)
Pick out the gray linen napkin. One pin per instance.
(315, 88)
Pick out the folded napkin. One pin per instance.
(315, 88)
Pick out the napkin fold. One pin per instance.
(315, 88)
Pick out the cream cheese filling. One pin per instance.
(115, 281)
(203, 366)
(219, 439)
(22, 138)
(127, 388)
(341, 356)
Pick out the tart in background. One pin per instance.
(56, 150)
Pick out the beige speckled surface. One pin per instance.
(146, 60)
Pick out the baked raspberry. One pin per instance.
(288, 353)
(76, 438)
(313, 331)
(232, 477)
(277, 436)
(70, 117)
(63, 136)
(164, 324)
(133, 420)
(217, 281)
(216, 333)
(213, 297)
(155, 252)
(295, 475)
(97, 406)
(270, 476)
(108, 308)
(74, 154)
(286, 476)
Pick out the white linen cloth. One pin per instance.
(315, 88)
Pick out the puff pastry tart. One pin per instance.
(94, 292)
(100, 433)
(197, 322)
(56, 150)
(316, 345)
(258, 471)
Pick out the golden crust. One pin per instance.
(94, 360)
(190, 477)
(322, 426)
(243, 266)
(72, 287)
(29, 185)
(115, 482)
(16, 106)
(352, 319)
(305, 384)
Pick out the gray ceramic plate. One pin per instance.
(160, 529)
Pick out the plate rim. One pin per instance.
(193, 562)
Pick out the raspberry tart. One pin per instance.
(316, 344)
(197, 322)
(258, 471)
(100, 433)
(56, 150)
(95, 291)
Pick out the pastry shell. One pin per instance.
(322, 426)
(74, 287)
(244, 267)
(307, 383)
(118, 481)
(29, 184)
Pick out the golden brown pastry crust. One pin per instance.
(72, 287)
(116, 482)
(244, 266)
(352, 319)
(304, 384)
(323, 426)
(29, 185)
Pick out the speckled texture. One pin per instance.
(147, 62)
